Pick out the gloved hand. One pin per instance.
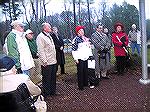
(105, 50)
(123, 39)
(123, 44)
(19, 71)
(91, 58)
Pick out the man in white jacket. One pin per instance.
(16, 46)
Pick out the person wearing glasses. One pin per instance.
(102, 46)
(16, 46)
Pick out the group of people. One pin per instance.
(103, 41)
(50, 53)
(41, 55)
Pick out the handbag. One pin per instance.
(91, 64)
(40, 104)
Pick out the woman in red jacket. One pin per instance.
(120, 41)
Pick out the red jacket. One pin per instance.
(118, 49)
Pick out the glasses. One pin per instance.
(21, 26)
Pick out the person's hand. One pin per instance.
(123, 44)
(123, 39)
(45, 64)
(76, 61)
(61, 48)
(105, 50)
(19, 71)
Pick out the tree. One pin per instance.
(12, 9)
(126, 13)
(147, 29)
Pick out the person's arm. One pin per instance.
(115, 40)
(96, 41)
(33, 89)
(74, 49)
(41, 48)
(127, 40)
(108, 44)
(13, 49)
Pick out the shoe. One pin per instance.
(56, 94)
(81, 89)
(105, 77)
(63, 73)
(91, 87)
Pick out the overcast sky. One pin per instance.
(58, 6)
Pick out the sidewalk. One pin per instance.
(118, 94)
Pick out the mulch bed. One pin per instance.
(118, 94)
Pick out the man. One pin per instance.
(16, 46)
(47, 55)
(102, 45)
(35, 72)
(135, 39)
(10, 83)
(59, 45)
(9, 80)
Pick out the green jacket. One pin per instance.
(33, 47)
(12, 48)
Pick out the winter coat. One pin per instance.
(135, 36)
(101, 42)
(81, 48)
(46, 49)
(58, 41)
(12, 81)
(118, 49)
(17, 47)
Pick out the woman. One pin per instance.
(81, 50)
(120, 41)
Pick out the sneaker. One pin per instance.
(92, 87)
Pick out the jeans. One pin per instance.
(26, 72)
(136, 46)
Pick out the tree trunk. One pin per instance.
(14, 10)
(88, 6)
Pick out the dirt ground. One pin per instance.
(117, 94)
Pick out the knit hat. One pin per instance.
(118, 24)
(79, 28)
(133, 26)
(28, 31)
(6, 63)
(17, 22)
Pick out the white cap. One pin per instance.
(133, 26)
(16, 22)
(28, 31)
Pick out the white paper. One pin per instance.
(91, 64)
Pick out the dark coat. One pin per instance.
(59, 53)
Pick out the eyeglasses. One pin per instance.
(21, 26)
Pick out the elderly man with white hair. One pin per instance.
(16, 46)
(135, 39)
(47, 56)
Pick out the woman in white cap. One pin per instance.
(35, 72)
